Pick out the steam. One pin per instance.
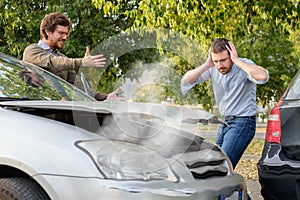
(148, 82)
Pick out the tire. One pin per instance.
(21, 189)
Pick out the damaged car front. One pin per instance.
(84, 149)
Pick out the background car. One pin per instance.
(52, 148)
(279, 165)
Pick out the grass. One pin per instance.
(247, 165)
(255, 147)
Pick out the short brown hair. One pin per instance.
(219, 45)
(50, 21)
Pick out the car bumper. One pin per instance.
(61, 187)
(279, 185)
(277, 176)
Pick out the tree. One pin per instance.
(259, 29)
(262, 30)
(20, 21)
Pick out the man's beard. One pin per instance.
(60, 44)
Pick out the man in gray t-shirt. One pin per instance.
(234, 82)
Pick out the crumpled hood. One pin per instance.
(162, 111)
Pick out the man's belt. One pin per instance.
(232, 117)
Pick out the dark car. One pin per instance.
(279, 165)
(56, 142)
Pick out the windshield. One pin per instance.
(21, 80)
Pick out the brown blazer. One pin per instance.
(59, 64)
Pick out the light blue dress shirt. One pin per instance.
(46, 47)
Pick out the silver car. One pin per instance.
(83, 149)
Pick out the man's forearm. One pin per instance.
(192, 75)
(254, 71)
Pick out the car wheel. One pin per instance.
(21, 189)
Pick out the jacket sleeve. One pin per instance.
(98, 96)
(37, 55)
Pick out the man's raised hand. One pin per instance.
(93, 61)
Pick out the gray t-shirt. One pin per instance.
(235, 92)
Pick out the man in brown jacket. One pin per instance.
(54, 31)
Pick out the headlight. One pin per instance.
(127, 161)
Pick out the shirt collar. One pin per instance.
(42, 44)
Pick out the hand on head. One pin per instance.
(209, 61)
(93, 61)
(232, 52)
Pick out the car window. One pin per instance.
(294, 89)
(22, 80)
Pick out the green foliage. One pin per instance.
(21, 20)
(19, 26)
(260, 29)
(265, 31)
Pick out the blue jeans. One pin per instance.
(235, 137)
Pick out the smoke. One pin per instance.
(146, 118)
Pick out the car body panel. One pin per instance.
(94, 188)
(165, 112)
(77, 166)
(47, 140)
(290, 140)
(84, 149)
(279, 165)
